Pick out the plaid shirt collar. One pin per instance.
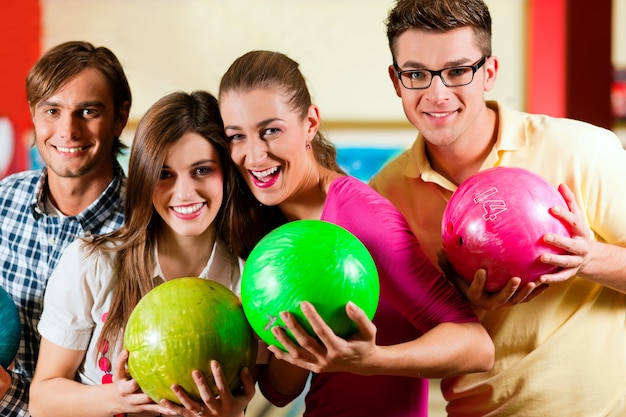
(92, 217)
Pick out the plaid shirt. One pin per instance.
(31, 243)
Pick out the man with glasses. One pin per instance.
(560, 342)
(421, 79)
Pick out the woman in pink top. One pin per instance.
(423, 327)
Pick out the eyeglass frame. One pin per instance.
(474, 67)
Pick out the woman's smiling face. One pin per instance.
(268, 142)
(189, 192)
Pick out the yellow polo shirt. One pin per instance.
(563, 353)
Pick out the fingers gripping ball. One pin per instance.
(496, 220)
(10, 329)
(182, 325)
(308, 260)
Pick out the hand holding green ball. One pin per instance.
(308, 260)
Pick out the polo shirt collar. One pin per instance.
(511, 136)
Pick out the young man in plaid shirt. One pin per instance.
(79, 100)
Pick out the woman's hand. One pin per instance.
(225, 404)
(328, 353)
(131, 398)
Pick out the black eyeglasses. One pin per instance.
(451, 77)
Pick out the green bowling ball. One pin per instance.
(308, 260)
(10, 329)
(182, 325)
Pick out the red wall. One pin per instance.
(569, 65)
(546, 57)
(569, 60)
(20, 46)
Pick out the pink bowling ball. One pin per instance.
(496, 220)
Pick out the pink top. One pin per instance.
(414, 299)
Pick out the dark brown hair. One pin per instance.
(440, 16)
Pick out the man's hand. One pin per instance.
(577, 247)
(482, 301)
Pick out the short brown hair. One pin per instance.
(440, 16)
(64, 61)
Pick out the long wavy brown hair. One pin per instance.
(164, 124)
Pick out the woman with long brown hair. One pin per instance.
(182, 193)
(423, 327)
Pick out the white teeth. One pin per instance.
(265, 173)
(71, 150)
(440, 114)
(187, 209)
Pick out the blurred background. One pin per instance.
(558, 57)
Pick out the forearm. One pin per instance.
(606, 266)
(76, 399)
(281, 382)
(5, 382)
(446, 350)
